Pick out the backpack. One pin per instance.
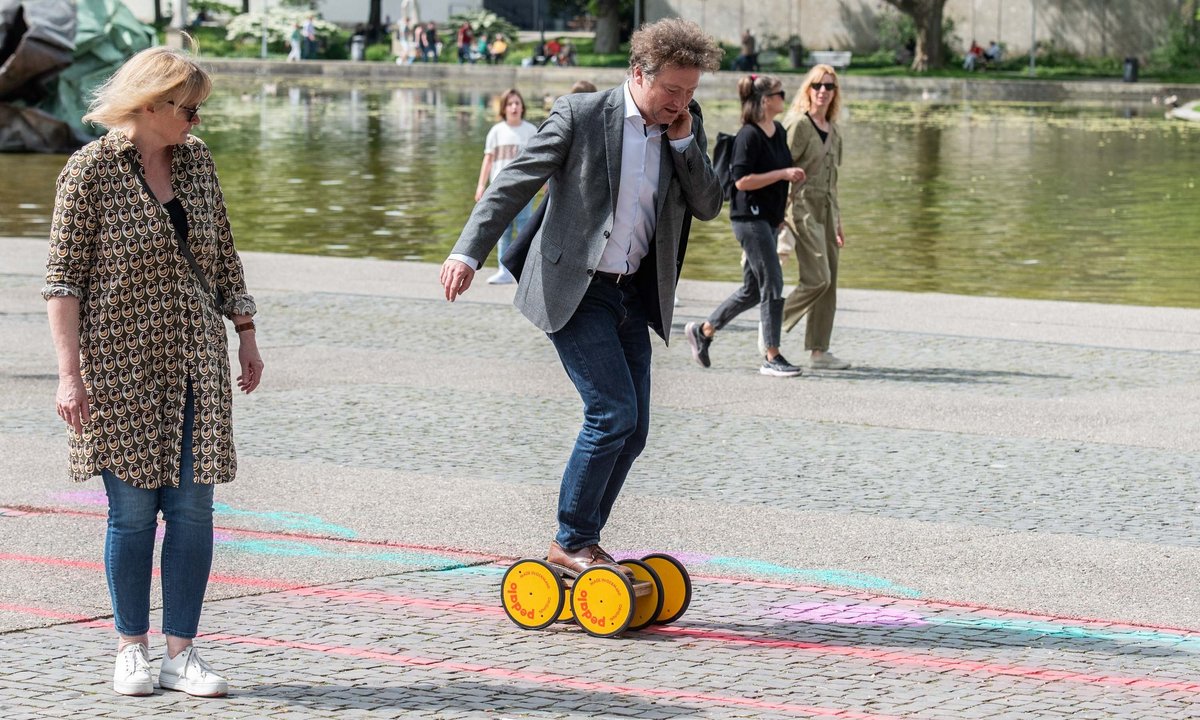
(723, 163)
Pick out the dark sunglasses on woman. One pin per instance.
(188, 112)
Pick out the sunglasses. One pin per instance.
(824, 86)
(782, 94)
(188, 112)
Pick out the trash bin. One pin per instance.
(358, 45)
(1131, 69)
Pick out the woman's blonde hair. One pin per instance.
(753, 91)
(803, 102)
(152, 76)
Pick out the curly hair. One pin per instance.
(673, 42)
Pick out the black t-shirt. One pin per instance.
(820, 133)
(755, 153)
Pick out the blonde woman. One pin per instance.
(813, 218)
(141, 276)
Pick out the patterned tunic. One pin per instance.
(146, 326)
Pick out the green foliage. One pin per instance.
(246, 30)
(379, 52)
(484, 22)
(1181, 48)
(213, 7)
(212, 42)
(897, 32)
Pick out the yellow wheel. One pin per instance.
(676, 586)
(648, 604)
(602, 599)
(532, 594)
(567, 614)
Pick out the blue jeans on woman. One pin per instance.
(186, 550)
(605, 349)
(513, 230)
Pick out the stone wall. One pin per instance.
(1115, 28)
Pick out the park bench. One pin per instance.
(833, 58)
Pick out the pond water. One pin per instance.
(1082, 203)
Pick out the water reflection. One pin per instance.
(1066, 202)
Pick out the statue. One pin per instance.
(53, 53)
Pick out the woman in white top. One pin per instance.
(504, 143)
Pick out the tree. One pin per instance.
(927, 14)
(608, 26)
(374, 20)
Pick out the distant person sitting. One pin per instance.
(498, 49)
(974, 53)
(748, 60)
(566, 55)
(552, 49)
(993, 53)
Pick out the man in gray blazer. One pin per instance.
(627, 170)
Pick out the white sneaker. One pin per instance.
(188, 672)
(503, 277)
(828, 361)
(131, 675)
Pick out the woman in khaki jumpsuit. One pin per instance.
(812, 217)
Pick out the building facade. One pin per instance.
(1115, 28)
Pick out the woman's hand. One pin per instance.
(479, 191)
(841, 237)
(251, 362)
(71, 402)
(793, 174)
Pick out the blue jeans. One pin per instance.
(513, 230)
(605, 349)
(186, 550)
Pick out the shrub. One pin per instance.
(380, 52)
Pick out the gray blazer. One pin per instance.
(578, 150)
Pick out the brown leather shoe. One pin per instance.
(576, 561)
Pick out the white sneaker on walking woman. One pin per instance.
(131, 675)
(188, 672)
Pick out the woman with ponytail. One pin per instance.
(762, 168)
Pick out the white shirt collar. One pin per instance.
(633, 113)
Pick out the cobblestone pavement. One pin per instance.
(436, 644)
(981, 520)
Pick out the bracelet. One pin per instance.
(243, 326)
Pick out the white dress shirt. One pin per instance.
(637, 196)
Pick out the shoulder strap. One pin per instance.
(185, 250)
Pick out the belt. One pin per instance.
(612, 278)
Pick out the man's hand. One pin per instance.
(456, 278)
(681, 126)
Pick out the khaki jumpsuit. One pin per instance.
(813, 218)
